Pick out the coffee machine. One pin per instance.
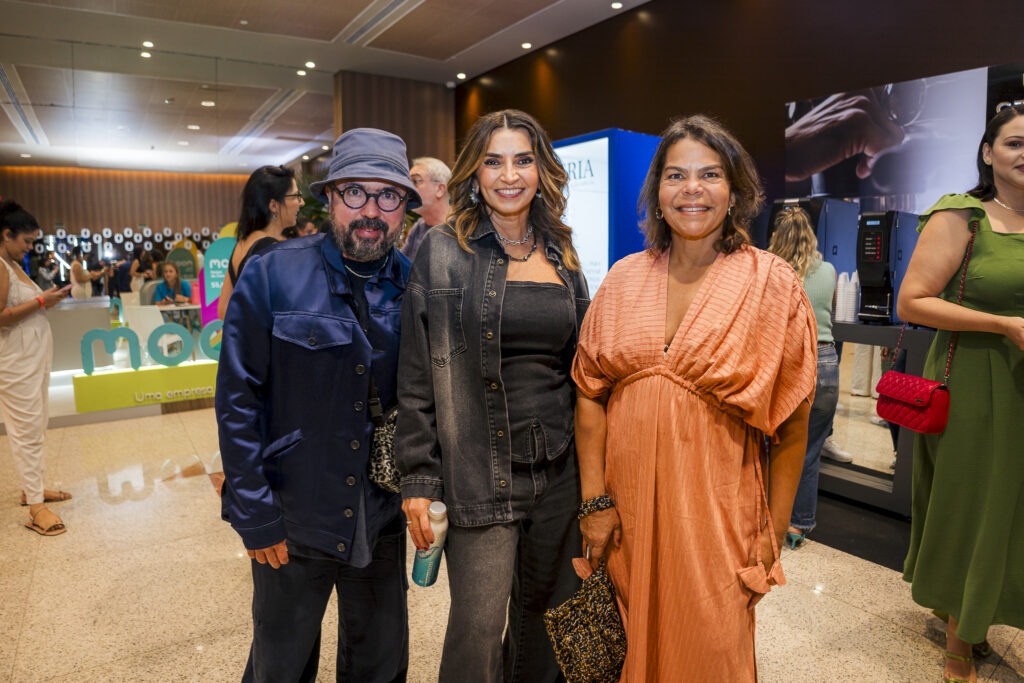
(885, 241)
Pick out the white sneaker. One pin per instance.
(830, 450)
(878, 421)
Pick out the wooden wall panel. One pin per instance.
(91, 198)
(422, 114)
(739, 61)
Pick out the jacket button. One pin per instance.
(312, 340)
(559, 266)
(354, 444)
(502, 483)
(489, 335)
(492, 293)
(350, 480)
(501, 262)
(358, 405)
(341, 547)
(348, 512)
(360, 369)
(494, 385)
(501, 433)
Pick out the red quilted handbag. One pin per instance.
(915, 402)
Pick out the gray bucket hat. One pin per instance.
(368, 154)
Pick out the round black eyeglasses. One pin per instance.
(355, 197)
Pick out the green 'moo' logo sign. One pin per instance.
(110, 337)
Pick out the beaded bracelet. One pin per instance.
(595, 504)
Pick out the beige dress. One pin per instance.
(686, 430)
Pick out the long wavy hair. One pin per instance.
(986, 187)
(464, 215)
(740, 172)
(177, 275)
(795, 242)
(265, 183)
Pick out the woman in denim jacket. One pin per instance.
(490, 321)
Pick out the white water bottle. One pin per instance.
(427, 562)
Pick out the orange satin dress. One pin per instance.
(686, 431)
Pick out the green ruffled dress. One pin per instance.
(966, 554)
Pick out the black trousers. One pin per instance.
(288, 606)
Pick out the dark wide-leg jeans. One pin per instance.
(513, 571)
(288, 606)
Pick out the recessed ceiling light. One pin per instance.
(461, 76)
(243, 22)
(301, 72)
(183, 143)
(527, 46)
(147, 43)
(25, 156)
(305, 157)
(324, 147)
(208, 103)
(310, 65)
(616, 5)
(168, 100)
(192, 126)
(145, 55)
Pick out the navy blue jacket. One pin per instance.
(292, 390)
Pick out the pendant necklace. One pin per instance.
(525, 258)
(1008, 208)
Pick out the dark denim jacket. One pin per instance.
(292, 388)
(452, 441)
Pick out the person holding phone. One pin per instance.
(26, 354)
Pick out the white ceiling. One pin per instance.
(75, 90)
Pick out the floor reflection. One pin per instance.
(857, 429)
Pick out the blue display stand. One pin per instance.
(606, 170)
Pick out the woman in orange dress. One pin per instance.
(692, 353)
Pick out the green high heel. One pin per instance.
(959, 658)
(795, 540)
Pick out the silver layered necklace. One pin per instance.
(515, 243)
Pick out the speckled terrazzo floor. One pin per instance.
(149, 585)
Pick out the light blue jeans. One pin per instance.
(826, 396)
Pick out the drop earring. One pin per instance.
(473, 196)
(658, 214)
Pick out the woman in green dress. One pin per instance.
(966, 557)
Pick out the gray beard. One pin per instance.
(360, 249)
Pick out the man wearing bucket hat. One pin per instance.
(310, 325)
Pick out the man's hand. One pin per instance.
(276, 555)
(843, 126)
(418, 520)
